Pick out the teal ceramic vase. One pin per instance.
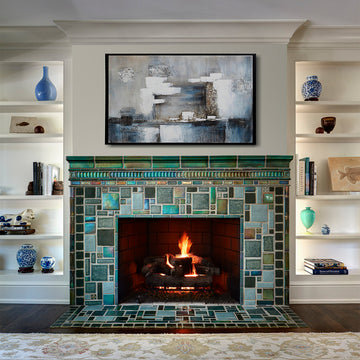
(307, 217)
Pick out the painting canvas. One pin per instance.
(345, 173)
(178, 99)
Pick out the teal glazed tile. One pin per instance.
(155, 209)
(253, 264)
(160, 162)
(108, 251)
(165, 195)
(238, 192)
(90, 287)
(282, 161)
(236, 207)
(81, 162)
(253, 248)
(105, 222)
(259, 213)
(251, 161)
(99, 272)
(194, 161)
(90, 228)
(137, 162)
(171, 209)
(223, 161)
(109, 299)
(137, 201)
(213, 195)
(125, 192)
(105, 237)
(110, 201)
(268, 243)
(109, 162)
(90, 242)
(200, 201)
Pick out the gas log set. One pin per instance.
(184, 271)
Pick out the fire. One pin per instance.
(193, 272)
(184, 245)
(168, 262)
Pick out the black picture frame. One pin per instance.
(180, 99)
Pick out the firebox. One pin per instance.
(175, 259)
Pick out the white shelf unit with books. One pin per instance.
(340, 97)
(18, 152)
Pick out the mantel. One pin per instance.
(233, 31)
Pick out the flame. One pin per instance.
(193, 272)
(168, 262)
(184, 245)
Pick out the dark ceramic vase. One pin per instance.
(328, 123)
(45, 90)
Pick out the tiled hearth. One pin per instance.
(252, 189)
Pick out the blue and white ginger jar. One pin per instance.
(47, 262)
(311, 88)
(26, 256)
(325, 230)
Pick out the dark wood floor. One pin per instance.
(18, 318)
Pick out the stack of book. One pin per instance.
(44, 176)
(325, 267)
(306, 174)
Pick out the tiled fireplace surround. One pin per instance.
(252, 189)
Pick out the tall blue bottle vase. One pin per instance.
(45, 90)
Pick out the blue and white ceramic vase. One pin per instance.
(325, 230)
(307, 217)
(45, 90)
(47, 264)
(311, 88)
(26, 257)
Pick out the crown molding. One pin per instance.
(190, 31)
(29, 37)
(326, 37)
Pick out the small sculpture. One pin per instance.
(17, 223)
(58, 188)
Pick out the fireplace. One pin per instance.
(179, 259)
(246, 197)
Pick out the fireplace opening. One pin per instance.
(179, 259)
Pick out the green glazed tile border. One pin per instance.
(81, 162)
(223, 161)
(166, 162)
(194, 162)
(278, 160)
(137, 162)
(109, 162)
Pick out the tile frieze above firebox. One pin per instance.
(253, 189)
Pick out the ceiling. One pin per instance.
(44, 12)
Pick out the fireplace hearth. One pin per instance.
(234, 209)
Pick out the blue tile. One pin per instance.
(238, 192)
(259, 213)
(125, 210)
(90, 228)
(90, 242)
(110, 201)
(137, 201)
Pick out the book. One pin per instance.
(326, 271)
(322, 263)
(300, 177)
(312, 177)
(307, 174)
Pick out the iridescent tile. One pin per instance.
(108, 251)
(223, 161)
(194, 161)
(268, 258)
(109, 162)
(179, 192)
(90, 228)
(110, 201)
(200, 201)
(166, 162)
(137, 162)
(222, 206)
(170, 209)
(249, 233)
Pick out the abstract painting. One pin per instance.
(180, 99)
(345, 173)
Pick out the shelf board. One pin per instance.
(12, 277)
(355, 196)
(352, 273)
(334, 236)
(328, 106)
(31, 138)
(30, 106)
(328, 138)
(31, 197)
(32, 237)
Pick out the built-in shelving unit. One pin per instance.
(18, 151)
(340, 97)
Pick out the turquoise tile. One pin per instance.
(251, 161)
(250, 294)
(108, 287)
(81, 162)
(165, 195)
(90, 287)
(170, 209)
(110, 201)
(201, 201)
(137, 201)
(268, 198)
(90, 242)
(253, 248)
(259, 213)
(194, 161)
(109, 299)
(268, 276)
(223, 161)
(108, 251)
(90, 228)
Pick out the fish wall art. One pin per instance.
(345, 173)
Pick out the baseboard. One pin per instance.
(324, 293)
(34, 294)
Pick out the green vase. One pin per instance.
(307, 217)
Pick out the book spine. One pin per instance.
(301, 178)
(35, 179)
(327, 271)
(315, 180)
(307, 177)
(312, 177)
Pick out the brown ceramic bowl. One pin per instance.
(328, 123)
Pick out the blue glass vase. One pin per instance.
(45, 90)
(311, 88)
(26, 257)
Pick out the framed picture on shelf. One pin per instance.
(344, 173)
(180, 99)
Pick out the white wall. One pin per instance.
(88, 86)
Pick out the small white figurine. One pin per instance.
(21, 219)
